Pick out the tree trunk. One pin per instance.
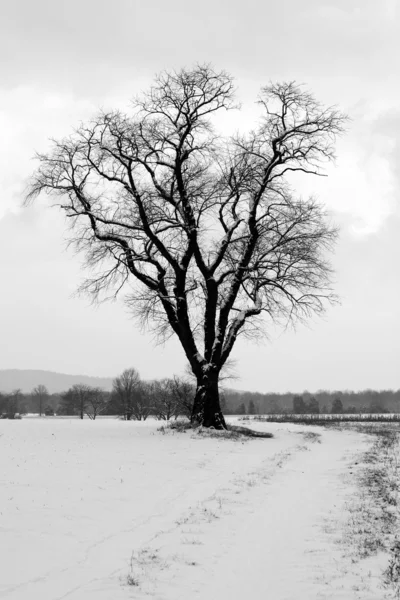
(206, 407)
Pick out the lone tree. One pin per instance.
(97, 402)
(204, 230)
(127, 389)
(41, 394)
(75, 399)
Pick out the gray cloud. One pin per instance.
(91, 45)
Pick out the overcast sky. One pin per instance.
(63, 60)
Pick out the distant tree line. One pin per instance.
(323, 401)
(130, 397)
(39, 401)
(135, 399)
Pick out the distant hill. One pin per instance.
(26, 380)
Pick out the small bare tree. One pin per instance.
(97, 402)
(164, 403)
(126, 389)
(75, 399)
(14, 403)
(142, 406)
(183, 391)
(41, 394)
(206, 231)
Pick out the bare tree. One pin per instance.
(142, 405)
(75, 400)
(170, 397)
(183, 391)
(205, 231)
(3, 405)
(164, 401)
(96, 403)
(81, 393)
(41, 394)
(126, 389)
(14, 404)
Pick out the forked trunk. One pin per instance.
(206, 407)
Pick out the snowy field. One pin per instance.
(113, 510)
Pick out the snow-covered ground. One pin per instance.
(112, 510)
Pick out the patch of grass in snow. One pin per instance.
(245, 431)
(203, 514)
(192, 541)
(375, 511)
(234, 432)
(310, 436)
(140, 566)
(186, 520)
(180, 425)
(391, 575)
(131, 580)
(322, 419)
(221, 434)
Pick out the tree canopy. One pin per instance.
(203, 232)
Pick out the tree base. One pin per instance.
(206, 407)
(204, 417)
(215, 420)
